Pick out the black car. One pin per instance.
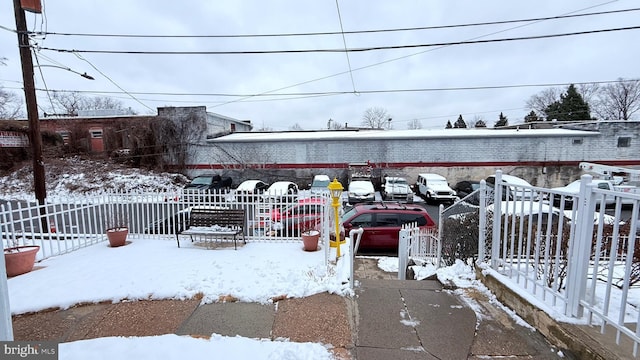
(209, 182)
(466, 187)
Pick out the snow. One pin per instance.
(256, 272)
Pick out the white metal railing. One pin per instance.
(81, 221)
(419, 244)
(572, 257)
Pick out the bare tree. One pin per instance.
(619, 100)
(69, 103)
(295, 127)
(10, 103)
(376, 118)
(541, 101)
(414, 124)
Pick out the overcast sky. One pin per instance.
(362, 80)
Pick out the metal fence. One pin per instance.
(572, 257)
(82, 221)
(420, 245)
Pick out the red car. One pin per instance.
(382, 223)
(293, 219)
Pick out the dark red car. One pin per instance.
(382, 222)
(302, 215)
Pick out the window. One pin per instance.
(577, 141)
(383, 219)
(624, 142)
(410, 218)
(96, 133)
(363, 220)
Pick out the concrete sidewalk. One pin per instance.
(387, 319)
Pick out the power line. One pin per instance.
(373, 91)
(344, 41)
(363, 49)
(501, 22)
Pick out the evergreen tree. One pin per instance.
(571, 107)
(531, 117)
(460, 124)
(449, 126)
(502, 121)
(480, 124)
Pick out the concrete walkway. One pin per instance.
(421, 320)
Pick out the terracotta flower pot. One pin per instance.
(20, 259)
(310, 240)
(117, 237)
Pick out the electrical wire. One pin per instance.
(331, 93)
(362, 49)
(344, 41)
(113, 82)
(345, 32)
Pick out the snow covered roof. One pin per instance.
(397, 134)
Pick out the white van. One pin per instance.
(434, 187)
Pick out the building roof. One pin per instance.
(397, 134)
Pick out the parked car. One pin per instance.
(574, 188)
(434, 187)
(396, 188)
(303, 215)
(382, 222)
(518, 188)
(250, 189)
(209, 182)
(465, 187)
(320, 184)
(361, 191)
(281, 191)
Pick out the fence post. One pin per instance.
(497, 220)
(403, 254)
(439, 235)
(482, 220)
(6, 330)
(579, 251)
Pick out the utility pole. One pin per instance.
(32, 108)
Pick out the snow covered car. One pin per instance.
(396, 188)
(361, 191)
(281, 191)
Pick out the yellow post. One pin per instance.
(335, 188)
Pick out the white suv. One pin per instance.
(434, 187)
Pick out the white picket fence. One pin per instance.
(81, 221)
(589, 275)
(420, 245)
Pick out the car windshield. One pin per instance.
(202, 180)
(398, 181)
(320, 183)
(349, 214)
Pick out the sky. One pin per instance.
(279, 90)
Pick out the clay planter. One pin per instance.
(117, 237)
(20, 259)
(310, 240)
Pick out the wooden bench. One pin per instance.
(214, 223)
